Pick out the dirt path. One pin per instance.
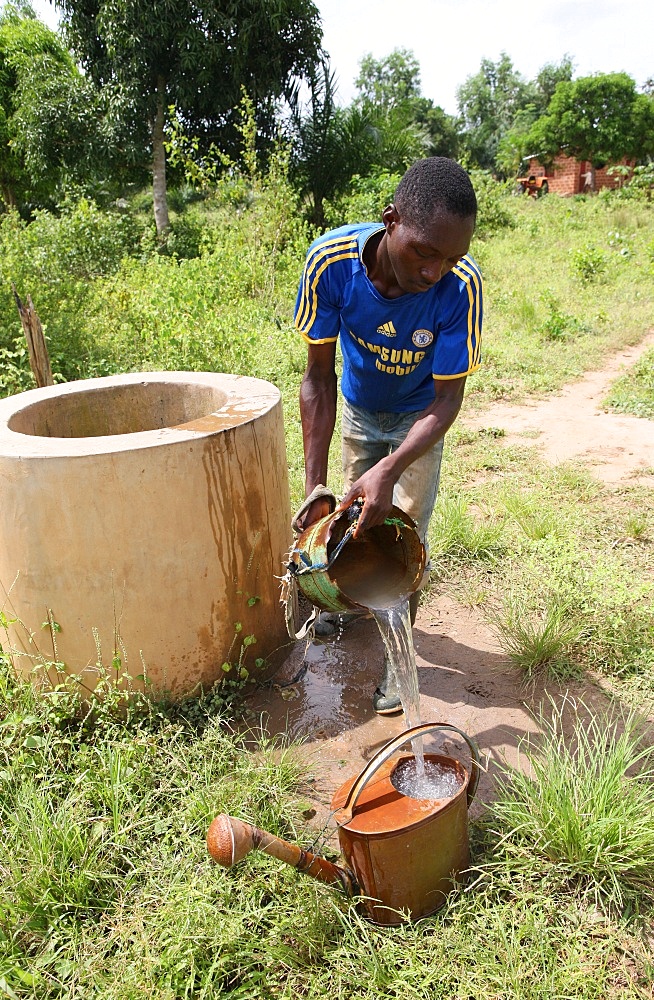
(322, 691)
(572, 424)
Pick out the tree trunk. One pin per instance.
(7, 196)
(159, 163)
(36, 345)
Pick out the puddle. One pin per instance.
(324, 688)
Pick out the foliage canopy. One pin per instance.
(48, 128)
(600, 118)
(488, 103)
(196, 56)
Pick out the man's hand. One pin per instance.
(375, 487)
(319, 503)
(315, 512)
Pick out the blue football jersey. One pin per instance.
(392, 349)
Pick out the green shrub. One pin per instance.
(588, 264)
(364, 202)
(57, 259)
(185, 239)
(558, 325)
(493, 212)
(83, 242)
(216, 296)
(639, 187)
(15, 372)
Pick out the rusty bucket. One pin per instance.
(405, 854)
(338, 572)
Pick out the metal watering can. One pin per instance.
(338, 572)
(402, 855)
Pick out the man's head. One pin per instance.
(430, 224)
(435, 186)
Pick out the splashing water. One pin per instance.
(436, 781)
(395, 627)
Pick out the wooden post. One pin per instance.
(36, 345)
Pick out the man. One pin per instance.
(406, 301)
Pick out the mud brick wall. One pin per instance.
(566, 176)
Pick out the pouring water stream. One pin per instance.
(419, 780)
(395, 627)
(377, 581)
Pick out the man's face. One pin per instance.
(420, 257)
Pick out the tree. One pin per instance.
(599, 118)
(549, 77)
(47, 111)
(331, 144)
(488, 103)
(390, 81)
(392, 86)
(441, 129)
(515, 144)
(195, 55)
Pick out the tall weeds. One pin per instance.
(581, 815)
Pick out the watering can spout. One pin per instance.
(229, 840)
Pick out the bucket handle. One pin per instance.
(345, 813)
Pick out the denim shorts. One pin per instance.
(369, 436)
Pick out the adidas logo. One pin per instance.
(387, 330)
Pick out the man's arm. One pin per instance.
(318, 413)
(376, 485)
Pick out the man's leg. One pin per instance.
(363, 442)
(368, 437)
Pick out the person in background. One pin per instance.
(404, 297)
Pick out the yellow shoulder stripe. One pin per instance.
(325, 254)
(469, 273)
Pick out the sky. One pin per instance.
(449, 38)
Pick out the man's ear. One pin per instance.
(390, 217)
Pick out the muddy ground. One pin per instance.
(321, 691)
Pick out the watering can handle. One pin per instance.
(345, 813)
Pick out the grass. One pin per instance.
(545, 323)
(536, 641)
(580, 816)
(537, 521)
(633, 392)
(569, 585)
(107, 890)
(458, 532)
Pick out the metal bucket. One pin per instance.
(406, 854)
(338, 572)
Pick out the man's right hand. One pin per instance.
(319, 508)
(318, 503)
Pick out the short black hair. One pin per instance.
(431, 184)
